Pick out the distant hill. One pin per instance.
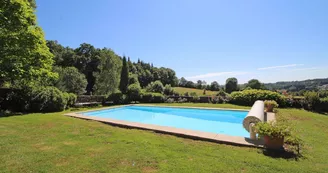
(311, 84)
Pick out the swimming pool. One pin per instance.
(228, 122)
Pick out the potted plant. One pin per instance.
(272, 133)
(270, 104)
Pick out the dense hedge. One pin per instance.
(323, 105)
(117, 98)
(248, 97)
(152, 98)
(90, 98)
(37, 99)
(47, 99)
(134, 92)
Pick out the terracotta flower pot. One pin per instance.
(273, 142)
(269, 108)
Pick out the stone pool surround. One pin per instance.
(192, 134)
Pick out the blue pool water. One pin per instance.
(216, 121)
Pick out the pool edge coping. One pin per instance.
(193, 134)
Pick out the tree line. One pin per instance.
(105, 71)
(230, 85)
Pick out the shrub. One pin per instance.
(38, 99)
(217, 100)
(221, 93)
(169, 100)
(156, 87)
(90, 98)
(158, 98)
(313, 99)
(193, 94)
(247, 88)
(134, 92)
(147, 97)
(296, 103)
(294, 144)
(248, 97)
(47, 99)
(275, 130)
(323, 106)
(152, 98)
(195, 99)
(175, 93)
(205, 99)
(186, 94)
(182, 100)
(17, 100)
(117, 97)
(168, 90)
(71, 99)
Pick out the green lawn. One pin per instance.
(199, 92)
(56, 143)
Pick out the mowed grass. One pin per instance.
(199, 92)
(55, 143)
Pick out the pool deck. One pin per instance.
(193, 134)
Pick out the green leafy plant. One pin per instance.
(272, 129)
(117, 97)
(156, 87)
(193, 94)
(169, 100)
(134, 92)
(294, 144)
(168, 90)
(270, 105)
(313, 99)
(47, 99)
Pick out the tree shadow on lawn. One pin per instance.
(281, 153)
(4, 114)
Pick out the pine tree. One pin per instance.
(124, 77)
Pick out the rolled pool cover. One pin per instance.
(256, 114)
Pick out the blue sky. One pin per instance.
(274, 40)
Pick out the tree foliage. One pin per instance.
(134, 92)
(156, 87)
(231, 85)
(215, 86)
(70, 80)
(254, 84)
(108, 77)
(124, 82)
(24, 55)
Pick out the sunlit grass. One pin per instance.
(56, 143)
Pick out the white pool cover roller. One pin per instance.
(256, 114)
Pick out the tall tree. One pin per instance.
(182, 82)
(108, 76)
(215, 86)
(199, 84)
(124, 83)
(24, 55)
(231, 85)
(87, 59)
(254, 84)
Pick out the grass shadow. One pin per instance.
(281, 153)
(4, 114)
